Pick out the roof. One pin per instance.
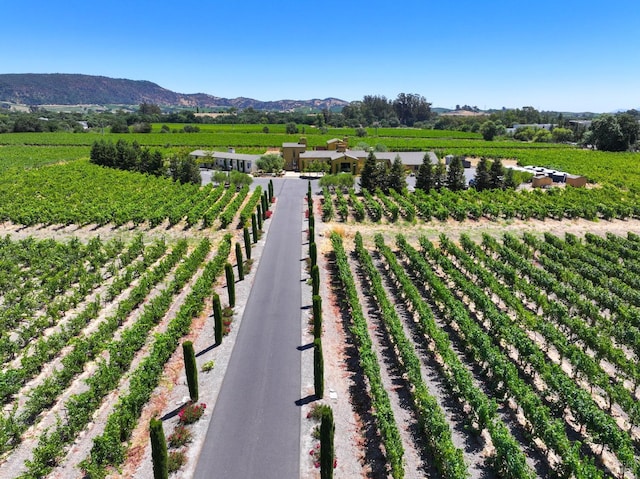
(410, 158)
(223, 155)
(322, 154)
(294, 145)
(407, 157)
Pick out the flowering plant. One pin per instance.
(180, 436)
(191, 413)
(315, 456)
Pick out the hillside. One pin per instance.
(76, 89)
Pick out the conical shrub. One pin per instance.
(327, 453)
(191, 369)
(217, 318)
(231, 284)
(159, 455)
(239, 261)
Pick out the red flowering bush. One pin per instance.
(315, 455)
(268, 213)
(180, 436)
(191, 413)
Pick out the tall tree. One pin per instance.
(369, 179)
(482, 180)
(185, 170)
(411, 107)
(424, 179)
(630, 128)
(607, 135)
(455, 175)
(496, 174)
(488, 130)
(510, 180)
(440, 175)
(396, 178)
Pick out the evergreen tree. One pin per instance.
(127, 155)
(440, 176)
(369, 175)
(191, 370)
(247, 242)
(509, 179)
(424, 179)
(327, 452)
(239, 261)
(185, 170)
(396, 179)
(159, 455)
(254, 227)
(318, 368)
(496, 174)
(313, 254)
(315, 280)
(317, 317)
(231, 284)
(455, 176)
(482, 180)
(156, 165)
(217, 318)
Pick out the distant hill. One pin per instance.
(76, 89)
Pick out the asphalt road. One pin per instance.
(255, 428)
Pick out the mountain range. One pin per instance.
(75, 89)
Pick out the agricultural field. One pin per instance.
(494, 332)
(104, 273)
(509, 356)
(604, 203)
(480, 346)
(81, 321)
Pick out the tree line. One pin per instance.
(489, 175)
(619, 132)
(127, 156)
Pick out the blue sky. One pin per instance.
(553, 55)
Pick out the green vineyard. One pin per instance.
(534, 342)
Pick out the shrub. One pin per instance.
(318, 368)
(254, 227)
(180, 436)
(191, 412)
(259, 216)
(231, 284)
(239, 261)
(217, 318)
(317, 317)
(208, 366)
(176, 460)
(327, 453)
(247, 242)
(191, 369)
(158, 449)
(313, 254)
(315, 280)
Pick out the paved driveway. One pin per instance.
(255, 428)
